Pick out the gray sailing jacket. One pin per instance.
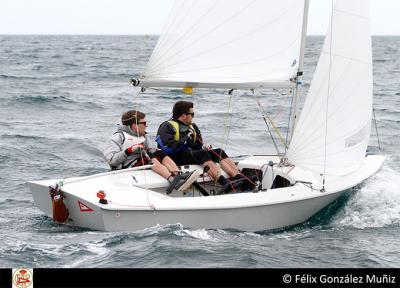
(114, 153)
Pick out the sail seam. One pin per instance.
(183, 35)
(158, 74)
(306, 144)
(329, 143)
(260, 60)
(165, 39)
(154, 69)
(352, 14)
(313, 103)
(156, 66)
(349, 58)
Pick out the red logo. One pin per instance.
(84, 208)
(22, 278)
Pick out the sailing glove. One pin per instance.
(134, 149)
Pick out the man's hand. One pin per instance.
(206, 147)
(190, 134)
(134, 149)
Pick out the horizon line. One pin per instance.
(139, 34)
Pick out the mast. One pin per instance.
(295, 109)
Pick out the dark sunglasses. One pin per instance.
(190, 113)
(144, 123)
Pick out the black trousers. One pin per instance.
(188, 157)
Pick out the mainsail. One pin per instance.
(228, 44)
(332, 133)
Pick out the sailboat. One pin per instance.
(247, 45)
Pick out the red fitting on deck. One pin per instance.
(101, 194)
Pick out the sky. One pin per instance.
(130, 17)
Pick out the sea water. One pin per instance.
(60, 98)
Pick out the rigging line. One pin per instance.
(327, 97)
(279, 92)
(233, 165)
(266, 122)
(227, 125)
(376, 128)
(212, 30)
(142, 152)
(247, 34)
(265, 115)
(138, 206)
(288, 126)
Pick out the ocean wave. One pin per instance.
(70, 64)
(6, 76)
(12, 202)
(23, 136)
(201, 234)
(52, 253)
(38, 99)
(160, 230)
(58, 130)
(376, 204)
(30, 56)
(38, 67)
(381, 60)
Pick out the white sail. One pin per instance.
(333, 130)
(228, 43)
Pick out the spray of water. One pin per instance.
(376, 204)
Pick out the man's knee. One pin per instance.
(218, 154)
(160, 155)
(201, 156)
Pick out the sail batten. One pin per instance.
(232, 42)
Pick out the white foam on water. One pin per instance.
(202, 234)
(376, 204)
(97, 250)
(159, 229)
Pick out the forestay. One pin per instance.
(333, 130)
(228, 44)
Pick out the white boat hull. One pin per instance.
(255, 218)
(133, 208)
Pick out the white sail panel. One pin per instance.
(333, 130)
(225, 41)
